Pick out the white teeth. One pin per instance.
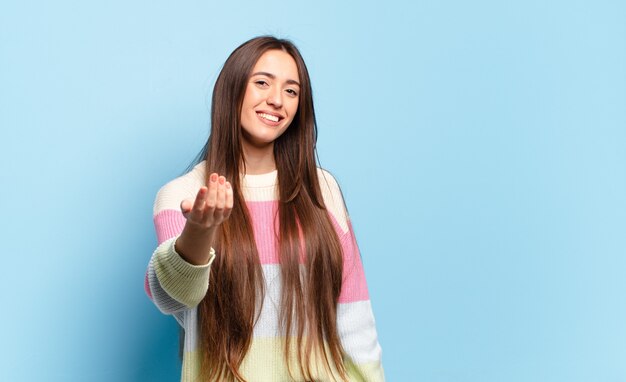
(268, 117)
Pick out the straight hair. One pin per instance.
(306, 236)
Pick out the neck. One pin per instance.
(259, 160)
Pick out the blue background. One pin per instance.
(481, 148)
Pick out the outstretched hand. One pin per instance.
(212, 206)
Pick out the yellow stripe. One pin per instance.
(265, 363)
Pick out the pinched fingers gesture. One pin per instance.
(213, 204)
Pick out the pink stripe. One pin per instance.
(265, 229)
(354, 286)
(168, 223)
(265, 225)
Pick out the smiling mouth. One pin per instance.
(269, 117)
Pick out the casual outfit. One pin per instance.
(177, 287)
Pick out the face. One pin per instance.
(271, 98)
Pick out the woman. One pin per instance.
(287, 298)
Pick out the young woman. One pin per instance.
(256, 259)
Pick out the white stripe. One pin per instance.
(175, 191)
(187, 186)
(355, 321)
(333, 198)
(190, 324)
(268, 325)
(357, 330)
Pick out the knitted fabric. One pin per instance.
(177, 287)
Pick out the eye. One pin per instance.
(292, 92)
(261, 82)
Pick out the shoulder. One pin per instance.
(184, 187)
(333, 198)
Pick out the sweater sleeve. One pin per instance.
(173, 284)
(355, 318)
(356, 325)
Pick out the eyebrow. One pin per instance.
(270, 75)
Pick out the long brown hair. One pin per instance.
(309, 299)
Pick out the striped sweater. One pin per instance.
(177, 287)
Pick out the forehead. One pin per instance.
(278, 63)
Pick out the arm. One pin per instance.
(178, 273)
(355, 319)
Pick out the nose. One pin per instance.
(275, 97)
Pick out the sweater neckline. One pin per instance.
(260, 180)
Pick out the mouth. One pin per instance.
(271, 119)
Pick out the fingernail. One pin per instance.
(213, 177)
(222, 180)
(228, 185)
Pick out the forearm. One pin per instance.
(178, 273)
(194, 244)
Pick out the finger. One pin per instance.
(221, 193)
(228, 206)
(185, 207)
(196, 212)
(220, 200)
(200, 198)
(212, 194)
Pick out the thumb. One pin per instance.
(185, 207)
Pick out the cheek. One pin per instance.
(250, 97)
(294, 107)
(292, 110)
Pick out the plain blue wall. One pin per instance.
(481, 147)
